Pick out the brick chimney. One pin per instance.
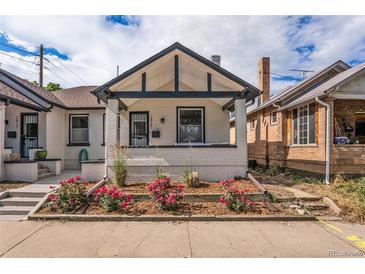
(264, 78)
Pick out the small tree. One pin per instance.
(120, 167)
(51, 86)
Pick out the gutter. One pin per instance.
(328, 124)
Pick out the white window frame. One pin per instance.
(72, 129)
(201, 109)
(307, 129)
(271, 117)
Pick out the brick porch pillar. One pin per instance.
(111, 131)
(241, 131)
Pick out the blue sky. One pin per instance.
(92, 46)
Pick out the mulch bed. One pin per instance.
(206, 187)
(146, 207)
(11, 185)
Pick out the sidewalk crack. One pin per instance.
(21, 241)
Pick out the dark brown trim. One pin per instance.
(229, 105)
(21, 103)
(176, 73)
(177, 120)
(191, 146)
(78, 144)
(172, 94)
(209, 82)
(148, 125)
(69, 129)
(143, 88)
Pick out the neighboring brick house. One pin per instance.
(289, 128)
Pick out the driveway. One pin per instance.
(180, 239)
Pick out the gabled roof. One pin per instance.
(24, 93)
(78, 97)
(7, 93)
(337, 81)
(39, 92)
(177, 46)
(291, 91)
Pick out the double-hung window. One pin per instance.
(190, 125)
(303, 125)
(79, 129)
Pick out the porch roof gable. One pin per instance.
(250, 91)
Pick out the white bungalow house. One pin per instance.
(171, 110)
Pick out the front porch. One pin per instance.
(172, 111)
(348, 148)
(202, 143)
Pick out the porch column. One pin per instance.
(2, 139)
(111, 131)
(241, 131)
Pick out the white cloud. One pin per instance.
(96, 47)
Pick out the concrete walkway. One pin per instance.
(181, 239)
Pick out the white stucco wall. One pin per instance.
(13, 116)
(216, 120)
(95, 150)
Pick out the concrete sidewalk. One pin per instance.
(166, 239)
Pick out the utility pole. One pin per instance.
(117, 70)
(41, 66)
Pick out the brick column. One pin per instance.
(241, 131)
(2, 139)
(111, 131)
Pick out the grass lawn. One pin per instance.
(348, 194)
(11, 185)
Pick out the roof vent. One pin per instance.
(216, 59)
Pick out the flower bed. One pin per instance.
(165, 200)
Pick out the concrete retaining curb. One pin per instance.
(169, 218)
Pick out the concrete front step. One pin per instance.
(316, 206)
(24, 193)
(19, 201)
(44, 175)
(15, 210)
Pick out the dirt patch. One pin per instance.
(351, 209)
(10, 185)
(278, 191)
(205, 187)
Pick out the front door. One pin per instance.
(138, 125)
(29, 133)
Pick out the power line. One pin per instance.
(18, 58)
(22, 50)
(58, 68)
(70, 70)
(57, 75)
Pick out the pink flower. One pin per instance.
(77, 178)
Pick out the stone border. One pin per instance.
(171, 218)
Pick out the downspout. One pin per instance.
(328, 124)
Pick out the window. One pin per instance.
(252, 123)
(360, 127)
(303, 125)
(273, 118)
(79, 129)
(190, 125)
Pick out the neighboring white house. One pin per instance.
(172, 110)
